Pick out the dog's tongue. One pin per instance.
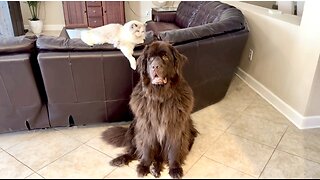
(159, 80)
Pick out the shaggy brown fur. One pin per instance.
(162, 130)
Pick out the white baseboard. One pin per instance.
(300, 121)
(52, 27)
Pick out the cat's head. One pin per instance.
(137, 28)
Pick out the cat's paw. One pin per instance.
(133, 65)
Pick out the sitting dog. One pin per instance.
(162, 130)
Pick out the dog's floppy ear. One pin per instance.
(142, 61)
(179, 59)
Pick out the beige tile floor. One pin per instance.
(242, 136)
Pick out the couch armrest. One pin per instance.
(164, 17)
(16, 44)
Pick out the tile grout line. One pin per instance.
(56, 130)
(252, 140)
(20, 162)
(59, 158)
(104, 177)
(226, 133)
(98, 150)
(273, 152)
(5, 151)
(103, 154)
(193, 164)
(35, 173)
(203, 153)
(299, 156)
(229, 166)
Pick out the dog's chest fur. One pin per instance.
(157, 117)
(155, 120)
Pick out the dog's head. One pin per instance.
(160, 64)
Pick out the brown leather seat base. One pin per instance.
(89, 112)
(90, 87)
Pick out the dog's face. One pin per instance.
(160, 64)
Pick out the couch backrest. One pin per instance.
(195, 13)
(63, 44)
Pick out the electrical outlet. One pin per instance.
(250, 54)
(147, 13)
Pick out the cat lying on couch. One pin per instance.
(124, 37)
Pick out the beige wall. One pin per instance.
(286, 54)
(266, 4)
(313, 108)
(137, 10)
(51, 12)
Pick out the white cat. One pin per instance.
(123, 37)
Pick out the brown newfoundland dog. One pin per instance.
(162, 130)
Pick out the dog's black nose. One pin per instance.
(155, 67)
(155, 64)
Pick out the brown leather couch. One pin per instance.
(21, 105)
(86, 85)
(212, 35)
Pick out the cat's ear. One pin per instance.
(134, 25)
(142, 61)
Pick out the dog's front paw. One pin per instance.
(176, 173)
(119, 161)
(142, 170)
(155, 169)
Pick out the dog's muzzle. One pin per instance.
(156, 70)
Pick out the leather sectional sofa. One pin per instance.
(81, 85)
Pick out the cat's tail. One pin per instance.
(119, 136)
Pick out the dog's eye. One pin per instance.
(150, 59)
(164, 57)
